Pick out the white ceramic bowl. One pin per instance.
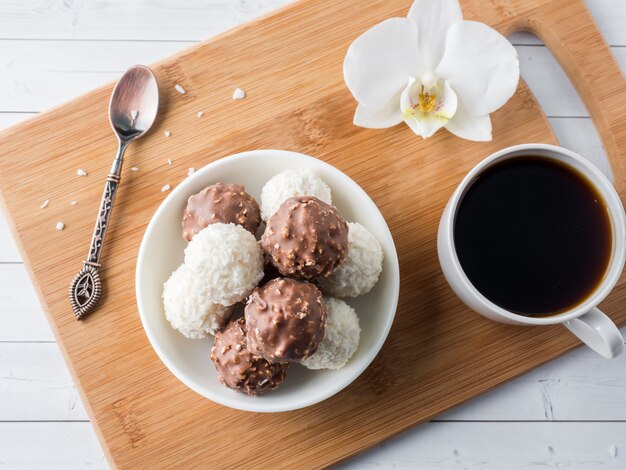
(162, 251)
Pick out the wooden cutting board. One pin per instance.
(438, 353)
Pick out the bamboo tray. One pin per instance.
(438, 354)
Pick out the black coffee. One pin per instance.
(533, 236)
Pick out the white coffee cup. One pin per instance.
(588, 323)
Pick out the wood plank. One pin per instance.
(115, 374)
(42, 74)
(8, 249)
(62, 446)
(531, 446)
(22, 317)
(35, 385)
(196, 20)
(8, 119)
(528, 446)
(580, 386)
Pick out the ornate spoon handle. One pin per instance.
(86, 287)
(99, 232)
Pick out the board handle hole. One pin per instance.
(559, 100)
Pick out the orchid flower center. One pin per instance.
(424, 96)
(427, 104)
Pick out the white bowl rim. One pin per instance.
(292, 404)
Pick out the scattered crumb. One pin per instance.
(133, 114)
(200, 114)
(239, 94)
(60, 226)
(191, 171)
(180, 89)
(551, 449)
(613, 451)
(73, 203)
(169, 161)
(44, 204)
(134, 168)
(166, 188)
(81, 172)
(167, 133)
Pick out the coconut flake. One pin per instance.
(180, 89)
(73, 203)
(166, 188)
(239, 94)
(191, 171)
(134, 168)
(167, 133)
(133, 114)
(200, 114)
(81, 172)
(613, 451)
(44, 204)
(169, 161)
(60, 225)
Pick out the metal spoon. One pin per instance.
(132, 111)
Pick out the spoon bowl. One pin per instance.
(134, 103)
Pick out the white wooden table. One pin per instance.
(569, 413)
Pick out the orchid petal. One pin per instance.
(481, 65)
(380, 60)
(433, 19)
(466, 126)
(388, 116)
(425, 124)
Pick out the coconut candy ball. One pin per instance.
(359, 273)
(228, 261)
(188, 308)
(290, 183)
(341, 339)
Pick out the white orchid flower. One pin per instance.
(431, 70)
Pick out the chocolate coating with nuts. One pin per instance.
(220, 203)
(306, 238)
(238, 368)
(286, 320)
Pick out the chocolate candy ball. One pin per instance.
(238, 368)
(224, 203)
(306, 238)
(286, 320)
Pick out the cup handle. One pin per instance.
(598, 332)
